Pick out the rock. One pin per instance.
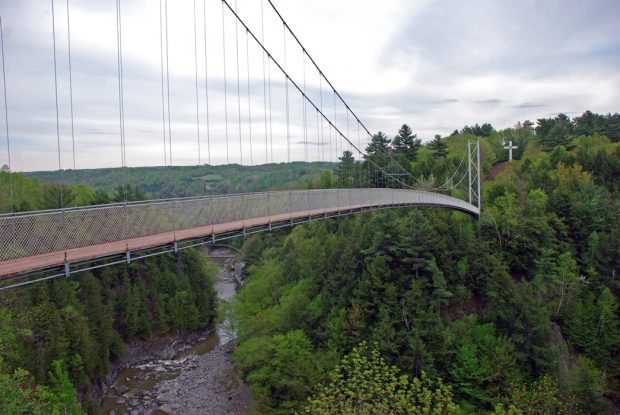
(121, 389)
(163, 397)
(120, 401)
(134, 402)
(166, 408)
(135, 412)
(149, 412)
(112, 412)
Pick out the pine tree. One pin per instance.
(406, 145)
(438, 146)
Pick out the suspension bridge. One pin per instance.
(287, 110)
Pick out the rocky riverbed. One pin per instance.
(193, 376)
(196, 385)
(207, 385)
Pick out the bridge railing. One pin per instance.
(34, 233)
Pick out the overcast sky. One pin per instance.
(435, 65)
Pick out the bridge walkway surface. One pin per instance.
(34, 241)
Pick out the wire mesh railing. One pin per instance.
(35, 233)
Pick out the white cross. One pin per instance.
(510, 147)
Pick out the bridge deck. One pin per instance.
(36, 241)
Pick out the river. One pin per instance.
(198, 379)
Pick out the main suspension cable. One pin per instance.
(292, 82)
(333, 88)
(454, 174)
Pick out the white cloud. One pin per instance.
(435, 65)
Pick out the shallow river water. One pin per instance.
(135, 390)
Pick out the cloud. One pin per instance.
(489, 101)
(436, 66)
(529, 105)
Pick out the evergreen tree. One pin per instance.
(406, 145)
(347, 170)
(438, 146)
(377, 156)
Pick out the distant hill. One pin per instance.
(180, 181)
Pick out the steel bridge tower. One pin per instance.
(473, 169)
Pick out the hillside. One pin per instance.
(180, 181)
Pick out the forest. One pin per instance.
(387, 312)
(67, 332)
(431, 311)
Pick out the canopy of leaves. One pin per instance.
(364, 384)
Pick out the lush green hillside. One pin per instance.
(179, 181)
(516, 313)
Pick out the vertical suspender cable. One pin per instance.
(262, 18)
(330, 84)
(238, 85)
(71, 93)
(161, 63)
(196, 77)
(270, 119)
(359, 155)
(6, 118)
(121, 107)
(247, 50)
(336, 125)
(305, 121)
(349, 181)
(121, 83)
(288, 133)
(225, 87)
(304, 106)
(121, 93)
(207, 87)
(319, 144)
(247, 61)
(329, 127)
(321, 105)
(168, 84)
(61, 200)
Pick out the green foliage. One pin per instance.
(20, 395)
(542, 397)
(63, 399)
(363, 384)
(285, 369)
(348, 171)
(438, 146)
(83, 321)
(484, 366)
(180, 181)
(406, 146)
(485, 130)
